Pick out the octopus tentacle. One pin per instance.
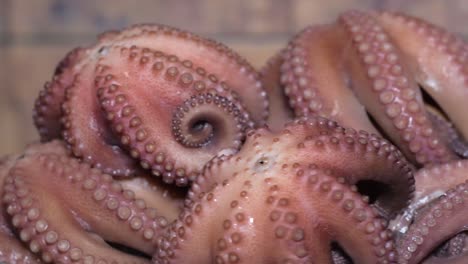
(430, 49)
(444, 219)
(397, 104)
(430, 187)
(270, 76)
(256, 205)
(91, 206)
(86, 130)
(159, 126)
(428, 180)
(314, 78)
(11, 250)
(92, 140)
(47, 107)
(74, 75)
(210, 177)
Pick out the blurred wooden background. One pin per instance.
(35, 34)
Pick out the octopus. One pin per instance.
(161, 146)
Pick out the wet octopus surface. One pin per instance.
(162, 146)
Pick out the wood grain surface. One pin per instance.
(34, 35)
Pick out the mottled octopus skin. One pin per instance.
(376, 63)
(63, 210)
(11, 250)
(266, 205)
(73, 96)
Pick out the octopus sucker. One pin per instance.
(86, 201)
(443, 221)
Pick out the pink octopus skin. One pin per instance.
(376, 63)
